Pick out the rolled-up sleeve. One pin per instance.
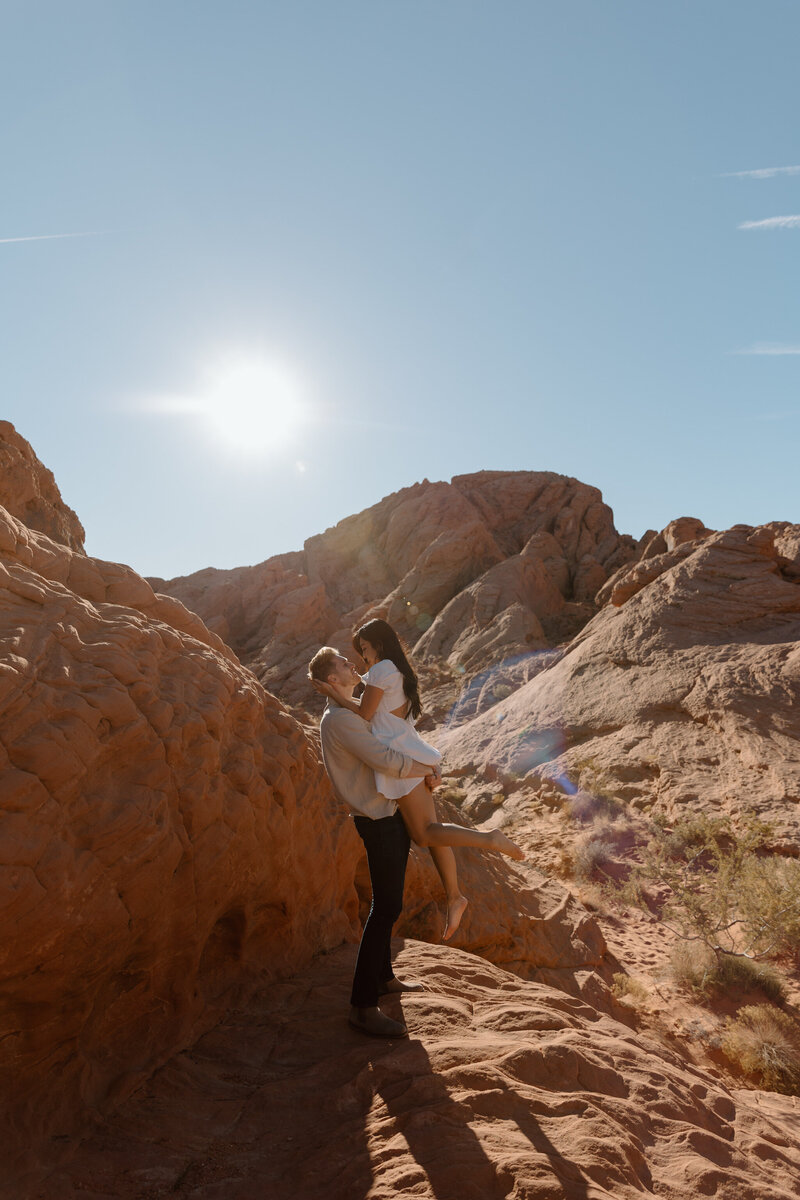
(353, 735)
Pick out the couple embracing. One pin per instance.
(386, 773)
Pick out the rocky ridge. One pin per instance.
(681, 694)
(486, 567)
(29, 491)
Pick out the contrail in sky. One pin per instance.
(46, 237)
(761, 173)
(792, 222)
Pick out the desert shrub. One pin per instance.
(695, 834)
(626, 987)
(707, 875)
(770, 901)
(451, 792)
(765, 1042)
(588, 806)
(708, 974)
(591, 854)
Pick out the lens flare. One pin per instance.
(532, 749)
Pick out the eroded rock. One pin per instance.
(29, 491)
(681, 695)
(476, 571)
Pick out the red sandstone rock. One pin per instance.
(29, 491)
(481, 569)
(169, 838)
(163, 832)
(683, 695)
(503, 1089)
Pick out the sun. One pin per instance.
(251, 404)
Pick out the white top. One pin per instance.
(396, 733)
(385, 675)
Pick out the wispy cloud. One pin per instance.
(46, 237)
(761, 173)
(791, 222)
(770, 348)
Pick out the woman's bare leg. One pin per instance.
(418, 811)
(445, 862)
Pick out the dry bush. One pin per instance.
(708, 974)
(590, 855)
(592, 896)
(719, 890)
(698, 833)
(451, 792)
(765, 1042)
(627, 988)
(587, 806)
(770, 902)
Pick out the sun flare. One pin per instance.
(251, 404)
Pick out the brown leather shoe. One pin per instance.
(376, 1023)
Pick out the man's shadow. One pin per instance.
(446, 1150)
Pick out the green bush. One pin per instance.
(770, 902)
(695, 835)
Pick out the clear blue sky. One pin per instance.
(441, 236)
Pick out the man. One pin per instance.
(352, 755)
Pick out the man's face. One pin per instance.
(344, 673)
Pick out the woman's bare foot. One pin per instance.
(455, 911)
(506, 846)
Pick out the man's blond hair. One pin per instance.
(322, 665)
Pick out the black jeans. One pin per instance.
(387, 844)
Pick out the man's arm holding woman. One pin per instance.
(354, 735)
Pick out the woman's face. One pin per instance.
(367, 651)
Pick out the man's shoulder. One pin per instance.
(340, 720)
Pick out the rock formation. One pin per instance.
(169, 839)
(162, 834)
(474, 571)
(504, 1089)
(29, 491)
(172, 850)
(682, 694)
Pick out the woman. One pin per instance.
(391, 703)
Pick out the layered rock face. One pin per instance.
(164, 825)
(29, 491)
(682, 693)
(483, 568)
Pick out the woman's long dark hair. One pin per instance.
(388, 645)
